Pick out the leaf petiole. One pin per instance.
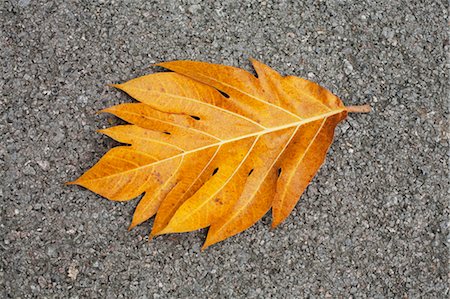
(359, 109)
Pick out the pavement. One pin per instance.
(373, 223)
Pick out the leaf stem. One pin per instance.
(358, 109)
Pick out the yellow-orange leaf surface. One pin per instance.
(214, 146)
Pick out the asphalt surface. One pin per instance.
(373, 223)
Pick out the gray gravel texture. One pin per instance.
(373, 223)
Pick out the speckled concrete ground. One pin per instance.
(373, 223)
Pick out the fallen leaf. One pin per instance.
(214, 146)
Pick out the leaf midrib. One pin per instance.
(258, 133)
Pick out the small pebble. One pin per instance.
(29, 170)
(194, 8)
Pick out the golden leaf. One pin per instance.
(214, 146)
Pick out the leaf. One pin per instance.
(214, 146)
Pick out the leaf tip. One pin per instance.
(118, 86)
(163, 229)
(101, 131)
(160, 232)
(276, 220)
(211, 240)
(71, 183)
(135, 221)
(274, 225)
(131, 226)
(109, 110)
(253, 60)
(208, 242)
(156, 232)
(102, 111)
